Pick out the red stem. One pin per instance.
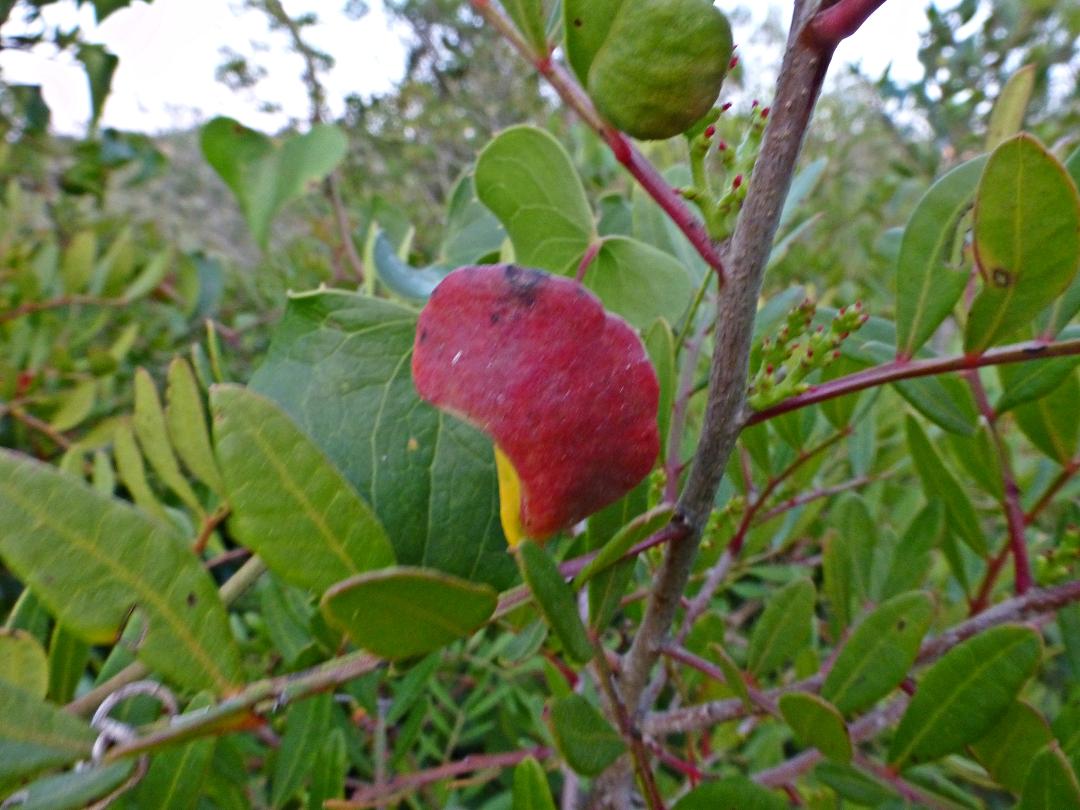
(903, 369)
(839, 21)
(1071, 469)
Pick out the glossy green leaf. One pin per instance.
(638, 282)
(531, 790)
(733, 792)
(817, 724)
(556, 600)
(307, 725)
(879, 653)
(1051, 783)
(35, 735)
(176, 775)
(962, 696)
(91, 559)
(290, 505)
(527, 180)
(1008, 748)
(266, 176)
(938, 482)
(153, 435)
(339, 366)
(927, 288)
(185, 418)
(585, 739)
(77, 789)
(403, 612)
(1027, 239)
(23, 662)
(784, 628)
(1050, 422)
(1007, 116)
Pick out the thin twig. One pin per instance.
(902, 369)
(41, 426)
(30, 307)
(1071, 469)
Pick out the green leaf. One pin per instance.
(660, 343)
(585, 739)
(23, 662)
(784, 627)
(403, 612)
(339, 366)
(91, 559)
(853, 785)
(185, 418)
(527, 180)
(586, 23)
(531, 790)
(912, 556)
(472, 232)
(290, 505)
(1027, 239)
(132, 471)
(1051, 783)
(328, 776)
(1024, 382)
(733, 792)
(962, 696)
(1050, 422)
(733, 676)
(174, 780)
(77, 789)
(528, 16)
(1008, 748)
(150, 276)
(76, 404)
(638, 282)
(939, 483)
(68, 657)
(35, 735)
(306, 726)
(149, 425)
(411, 283)
(100, 65)
(607, 585)
(879, 653)
(927, 288)
(817, 724)
(1007, 117)
(265, 176)
(556, 600)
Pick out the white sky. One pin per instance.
(169, 50)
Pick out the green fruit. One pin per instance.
(652, 67)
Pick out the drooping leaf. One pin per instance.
(784, 627)
(733, 792)
(1008, 748)
(927, 288)
(403, 612)
(266, 176)
(1051, 783)
(35, 735)
(411, 283)
(962, 696)
(817, 724)
(149, 425)
(76, 789)
(531, 790)
(939, 482)
(91, 559)
(879, 653)
(307, 724)
(586, 740)
(1050, 422)
(23, 662)
(185, 418)
(1027, 239)
(289, 503)
(339, 365)
(556, 600)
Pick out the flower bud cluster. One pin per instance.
(798, 350)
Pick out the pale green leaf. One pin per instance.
(784, 628)
(153, 435)
(23, 662)
(35, 735)
(817, 724)
(186, 421)
(1007, 116)
(586, 740)
(531, 790)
